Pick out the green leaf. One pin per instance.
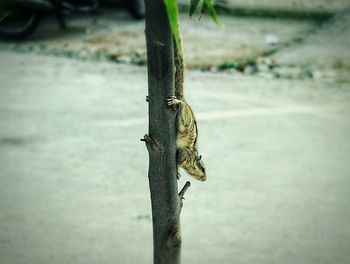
(212, 12)
(173, 16)
(203, 10)
(194, 4)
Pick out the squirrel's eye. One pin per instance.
(200, 157)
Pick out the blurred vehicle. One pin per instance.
(136, 8)
(25, 15)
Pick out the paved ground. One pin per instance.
(73, 173)
(113, 36)
(325, 47)
(73, 179)
(273, 47)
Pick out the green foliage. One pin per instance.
(173, 15)
(212, 12)
(206, 5)
(193, 7)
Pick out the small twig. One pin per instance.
(151, 143)
(146, 138)
(184, 189)
(182, 193)
(158, 44)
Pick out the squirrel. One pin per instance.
(186, 125)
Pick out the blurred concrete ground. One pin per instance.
(112, 35)
(325, 47)
(274, 136)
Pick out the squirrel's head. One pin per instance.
(196, 168)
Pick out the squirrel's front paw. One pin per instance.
(172, 100)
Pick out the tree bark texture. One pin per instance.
(160, 140)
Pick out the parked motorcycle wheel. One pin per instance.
(20, 23)
(136, 8)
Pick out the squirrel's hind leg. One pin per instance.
(181, 159)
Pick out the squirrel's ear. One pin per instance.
(200, 157)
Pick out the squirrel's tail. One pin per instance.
(179, 70)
